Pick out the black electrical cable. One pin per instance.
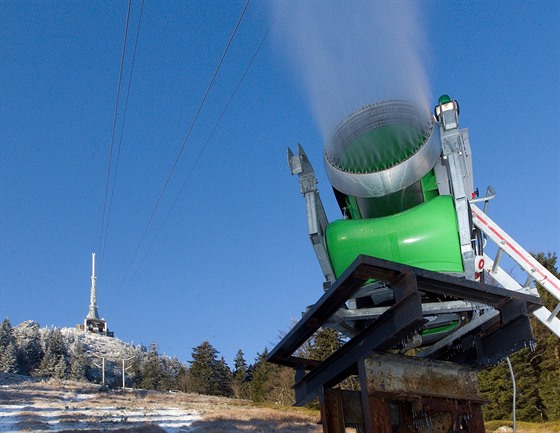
(199, 156)
(193, 122)
(122, 128)
(113, 132)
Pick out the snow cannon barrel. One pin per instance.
(377, 157)
(382, 162)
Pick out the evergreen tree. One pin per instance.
(547, 354)
(30, 351)
(224, 379)
(54, 363)
(152, 372)
(183, 379)
(240, 379)
(323, 343)
(135, 373)
(61, 368)
(8, 358)
(79, 362)
(205, 371)
(495, 387)
(7, 336)
(526, 379)
(271, 382)
(171, 369)
(48, 366)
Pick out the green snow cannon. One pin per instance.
(380, 162)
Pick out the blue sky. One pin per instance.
(232, 263)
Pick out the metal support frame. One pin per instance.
(482, 343)
(316, 217)
(382, 334)
(455, 148)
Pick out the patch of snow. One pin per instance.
(172, 420)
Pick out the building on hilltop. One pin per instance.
(92, 322)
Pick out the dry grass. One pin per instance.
(522, 427)
(257, 420)
(64, 407)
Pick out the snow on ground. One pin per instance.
(63, 406)
(55, 406)
(17, 418)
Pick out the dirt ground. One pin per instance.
(54, 406)
(30, 405)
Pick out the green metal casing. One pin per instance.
(425, 236)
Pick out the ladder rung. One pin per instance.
(497, 260)
(528, 282)
(554, 313)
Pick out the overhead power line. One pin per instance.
(122, 129)
(102, 231)
(185, 141)
(199, 156)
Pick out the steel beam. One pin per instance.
(334, 298)
(402, 318)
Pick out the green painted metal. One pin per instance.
(441, 329)
(425, 236)
(429, 186)
(444, 99)
(365, 155)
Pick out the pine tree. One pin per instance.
(183, 379)
(54, 363)
(171, 370)
(261, 374)
(135, 372)
(79, 362)
(205, 370)
(223, 379)
(7, 336)
(61, 368)
(495, 387)
(324, 343)
(30, 351)
(271, 383)
(48, 365)
(152, 372)
(8, 359)
(547, 354)
(8, 354)
(240, 379)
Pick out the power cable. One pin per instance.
(122, 127)
(198, 157)
(193, 122)
(113, 132)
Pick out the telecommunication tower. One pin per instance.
(93, 322)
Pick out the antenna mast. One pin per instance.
(93, 313)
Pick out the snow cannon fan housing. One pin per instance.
(382, 162)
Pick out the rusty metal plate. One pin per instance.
(407, 376)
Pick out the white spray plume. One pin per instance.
(351, 53)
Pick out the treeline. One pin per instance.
(51, 353)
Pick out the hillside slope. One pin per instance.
(28, 404)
